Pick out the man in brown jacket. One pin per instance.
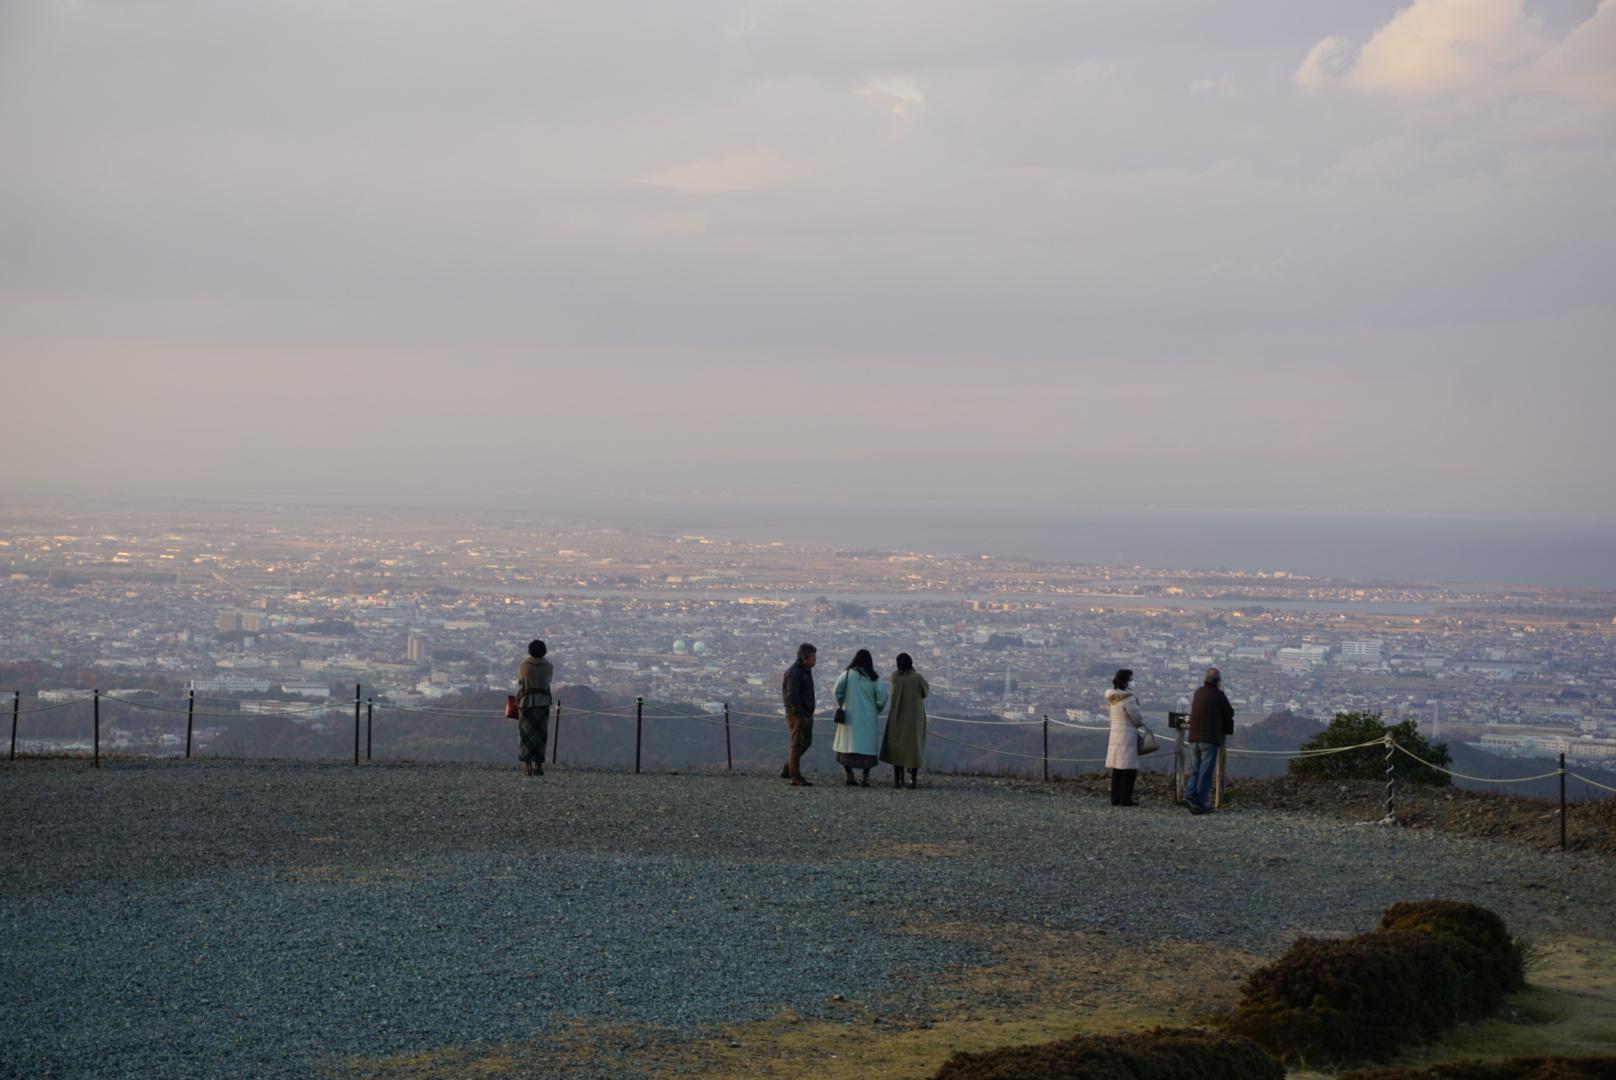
(797, 692)
(1211, 718)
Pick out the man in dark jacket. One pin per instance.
(1211, 718)
(797, 690)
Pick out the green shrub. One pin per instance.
(1367, 998)
(1162, 1054)
(1353, 728)
(1526, 1068)
(1480, 944)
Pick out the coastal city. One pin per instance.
(270, 611)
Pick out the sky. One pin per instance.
(1343, 257)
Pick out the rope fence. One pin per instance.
(728, 719)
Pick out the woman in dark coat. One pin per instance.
(533, 704)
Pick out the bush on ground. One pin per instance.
(1429, 966)
(1162, 1054)
(1354, 728)
(1526, 1068)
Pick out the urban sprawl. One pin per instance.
(263, 607)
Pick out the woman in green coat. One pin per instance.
(862, 696)
(904, 746)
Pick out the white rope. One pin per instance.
(988, 723)
(1012, 753)
(1305, 753)
(1595, 783)
(1080, 727)
(1477, 779)
(50, 708)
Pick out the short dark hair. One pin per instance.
(1121, 679)
(906, 662)
(536, 649)
(805, 650)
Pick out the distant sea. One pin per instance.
(1474, 552)
(1379, 549)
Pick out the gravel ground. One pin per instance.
(273, 919)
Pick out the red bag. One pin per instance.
(511, 711)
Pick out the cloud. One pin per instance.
(1436, 45)
(1324, 63)
(899, 95)
(1495, 48)
(1584, 64)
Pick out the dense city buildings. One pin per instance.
(293, 609)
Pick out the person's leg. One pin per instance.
(864, 781)
(802, 737)
(1204, 765)
(1116, 787)
(793, 746)
(1128, 778)
(897, 776)
(848, 769)
(543, 725)
(914, 778)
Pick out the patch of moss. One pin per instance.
(1162, 1054)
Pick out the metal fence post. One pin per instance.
(356, 696)
(555, 736)
(1046, 749)
(16, 707)
(370, 709)
(190, 720)
(97, 707)
(639, 718)
(729, 758)
(1562, 803)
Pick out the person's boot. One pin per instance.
(864, 781)
(914, 778)
(850, 781)
(897, 776)
(785, 771)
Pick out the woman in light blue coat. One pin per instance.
(861, 695)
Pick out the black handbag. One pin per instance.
(841, 715)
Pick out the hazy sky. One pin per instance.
(1335, 256)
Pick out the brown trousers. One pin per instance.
(800, 730)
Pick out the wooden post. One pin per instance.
(729, 758)
(1177, 721)
(1562, 803)
(16, 707)
(555, 735)
(370, 708)
(1223, 760)
(97, 707)
(190, 720)
(1046, 749)
(356, 703)
(639, 718)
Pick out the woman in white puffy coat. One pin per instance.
(1122, 753)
